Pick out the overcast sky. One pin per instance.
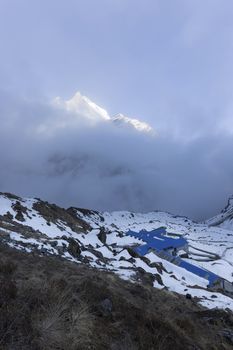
(165, 62)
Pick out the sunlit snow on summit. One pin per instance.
(83, 106)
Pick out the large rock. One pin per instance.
(102, 235)
(74, 248)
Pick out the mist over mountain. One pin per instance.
(73, 152)
(116, 175)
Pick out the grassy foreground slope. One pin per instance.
(49, 303)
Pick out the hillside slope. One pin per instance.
(100, 240)
(51, 304)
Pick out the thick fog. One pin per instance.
(75, 157)
(168, 63)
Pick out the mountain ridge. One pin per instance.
(82, 105)
(225, 218)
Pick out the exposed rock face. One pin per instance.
(225, 218)
(158, 279)
(53, 213)
(102, 235)
(145, 277)
(20, 210)
(74, 248)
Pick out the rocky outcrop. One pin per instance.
(74, 248)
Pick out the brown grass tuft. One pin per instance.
(51, 304)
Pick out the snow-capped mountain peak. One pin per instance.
(122, 120)
(82, 106)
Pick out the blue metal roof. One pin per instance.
(210, 276)
(156, 239)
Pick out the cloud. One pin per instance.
(76, 156)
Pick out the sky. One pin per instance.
(166, 63)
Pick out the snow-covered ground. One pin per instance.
(210, 243)
(213, 240)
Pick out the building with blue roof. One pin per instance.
(166, 247)
(158, 240)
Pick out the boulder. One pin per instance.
(102, 235)
(74, 248)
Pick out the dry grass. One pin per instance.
(60, 323)
(50, 304)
